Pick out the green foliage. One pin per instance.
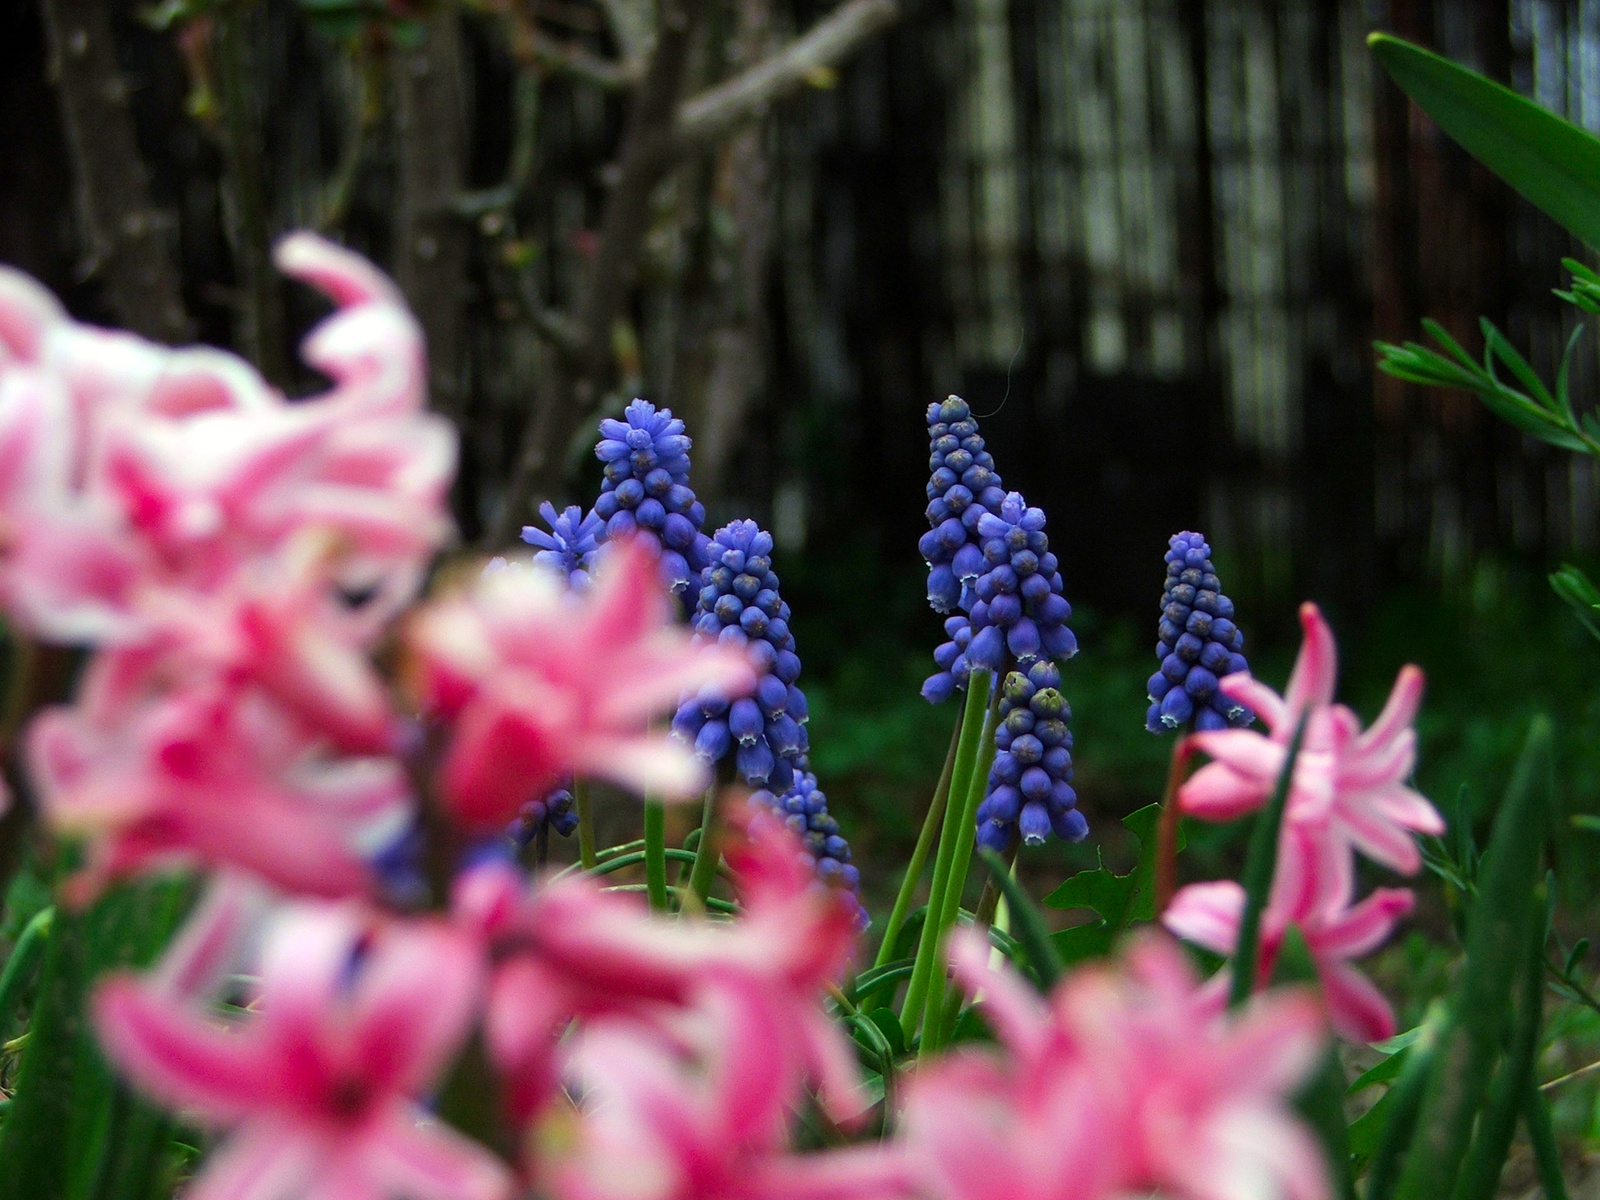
(71, 1130)
(1503, 919)
(1549, 160)
(1117, 900)
(1536, 411)
(1259, 867)
(1033, 937)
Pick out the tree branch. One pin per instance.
(124, 234)
(825, 45)
(660, 130)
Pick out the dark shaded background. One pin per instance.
(1150, 241)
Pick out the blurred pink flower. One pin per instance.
(127, 468)
(1127, 1081)
(1319, 902)
(541, 685)
(1348, 785)
(697, 1108)
(319, 1086)
(210, 774)
(568, 948)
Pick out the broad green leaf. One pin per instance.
(1119, 900)
(1549, 160)
(1031, 934)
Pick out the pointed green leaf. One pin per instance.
(1120, 900)
(1550, 161)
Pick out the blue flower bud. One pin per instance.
(745, 721)
(1034, 824)
(1199, 643)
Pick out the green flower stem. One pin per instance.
(24, 956)
(978, 683)
(709, 851)
(919, 856)
(1260, 863)
(1536, 1114)
(580, 801)
(655, 854)
(714, 904)
(966, 833)
(982, 920)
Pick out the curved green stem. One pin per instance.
(580, 801)
(919, 856)
(709, 851)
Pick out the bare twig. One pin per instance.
(124, 235)
(660, 130)
(369, 110)
(524, 152)
(431, 242)
(262, 340)
(647, 154)
(824, 46)
(565, 58)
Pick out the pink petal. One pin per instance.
(857, 1173)
(1363, 928)
(1358, 1010)
(1207, 914)
(1216, 792)
(1407, 808)
(415, 1001)
(263, 1161)
(27, 313)
(1379, 840)
(1316, 670)
(1254, 1152)
(179, 1059)
(207, 947)
(650, 764)
(1256, 696)
(344, 276)
(1247, 752)
(1010, 1006)
(416, 1157)
(1399, 711)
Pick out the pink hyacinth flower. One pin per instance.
(1348, 784)
(209, 775)
(1127, 1081)
(569, 948)
(129, 467)
(542, 685)
(318, 1087)
(1318, 901)
(699, 1111)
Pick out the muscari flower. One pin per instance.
(570, 546)
(1199, 645)
(962, 487)
(1019, 607)
(1030, 783)
(951, 659)
(646, 489)
(557, 809)
(739, 606)
(804, 809)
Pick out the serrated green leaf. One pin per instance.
(1550, 161)
(1119, 900)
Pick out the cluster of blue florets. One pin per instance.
(1018, 606)
(556, 810)
(951, 659)
(804, 809)
(1030, 783)
(646, 489)
(571, 544)
(739, 605)
(1199, 645)
(963, 485)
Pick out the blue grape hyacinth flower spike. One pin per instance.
(571, 544)
(962, 486)
(1030, 782)
(646, 489)
(1019, 606)
(1199, 645)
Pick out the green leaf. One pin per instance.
(1119, 900)
(72, 1131)
(1093, 939)
(1384, 1072)
(1379, 1138)
(1550, 161)
(1032, 935)
(1480, 1007)
(1573, 586)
